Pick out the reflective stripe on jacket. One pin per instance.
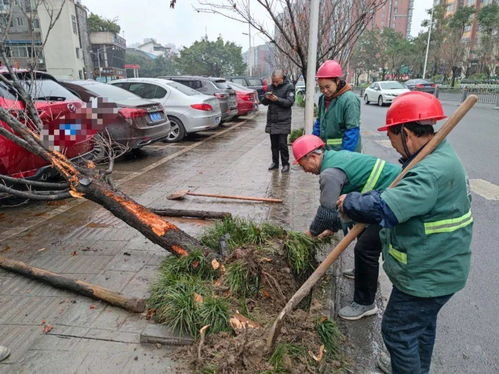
(428, 253)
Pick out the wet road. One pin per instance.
(468, 330)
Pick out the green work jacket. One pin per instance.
(427, 254)
(364, 172)
(342, 113)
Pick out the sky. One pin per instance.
(184, 25)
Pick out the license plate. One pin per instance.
(155, 116)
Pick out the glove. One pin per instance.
(317, 128)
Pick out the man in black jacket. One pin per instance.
(280, 99)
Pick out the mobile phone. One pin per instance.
(268, 93)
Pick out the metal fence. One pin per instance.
(485, 95)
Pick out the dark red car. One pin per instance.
(66, 127)
(247, 99)
(130, 120)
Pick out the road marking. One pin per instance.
(76, 202)
(485, 189)
(385, 143)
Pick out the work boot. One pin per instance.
(356, 311)
(285, 169)
(4, 352)
(384, 363)
(349, 273)
(273, 166)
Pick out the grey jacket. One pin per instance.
(279, 113)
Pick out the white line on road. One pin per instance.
(485, 189)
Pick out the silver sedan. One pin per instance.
(188, 110)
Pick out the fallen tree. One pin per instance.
(83, 180)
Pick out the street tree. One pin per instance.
(366, 57)
(454, 45)
(341, 23)
(214, 58)
(83, 180)
(152, 67)
(488, 20)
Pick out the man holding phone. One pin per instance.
(280, 98)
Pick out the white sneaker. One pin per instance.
(4, 352)
(356, 311)
(349, 273)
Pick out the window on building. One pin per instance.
(20, 21)
(75, 25)
(36, 23)
(77, 52)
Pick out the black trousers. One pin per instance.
(279, 144)
(367, 251)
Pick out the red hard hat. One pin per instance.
(414, 106)
(304, 145)
(329, 69)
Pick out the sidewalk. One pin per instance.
(79, 239)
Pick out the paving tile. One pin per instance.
(51, 362)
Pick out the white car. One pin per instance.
(384, 92)
(188, 110)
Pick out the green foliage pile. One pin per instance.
(182, 280)
(295, 134)
(330, 336)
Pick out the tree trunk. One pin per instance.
(151, 225)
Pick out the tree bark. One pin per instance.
(78, 286)
(204, 214)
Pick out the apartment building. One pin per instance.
(52, 36)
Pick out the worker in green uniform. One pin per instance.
(426, 235)
(338, 120)
(343, 172)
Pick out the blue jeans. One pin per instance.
(408, 328)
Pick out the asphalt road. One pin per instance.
(468, 325)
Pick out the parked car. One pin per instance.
(258, 84)
(188, 110)
(62, 115)
(247, 99)
(421, 85)
(212, 86)
(131, 121)
(383, 92)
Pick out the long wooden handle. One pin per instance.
(266, 199)
(357, 229)
(78, 286)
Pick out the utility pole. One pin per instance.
(311, 64)
(428, 43)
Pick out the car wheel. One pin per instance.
(177, 131)
(380, 101)
(366, 100)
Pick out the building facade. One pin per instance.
(395, 14)
(108, 55)
(34, 36)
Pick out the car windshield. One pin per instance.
(110, 92)
(236, 86)
(47, 90)
(391, 85)
(255, 82)
(221, 84)
(183, 88)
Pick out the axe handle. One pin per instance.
(266, 199)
